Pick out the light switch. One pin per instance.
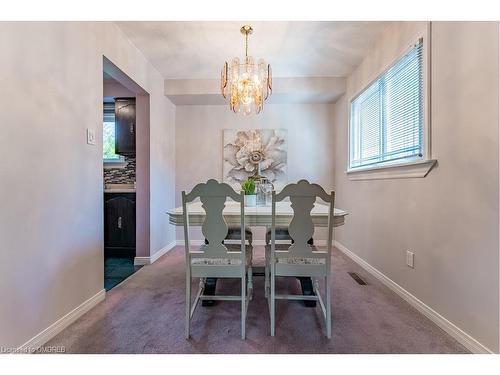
(410, 259)
(90, 137)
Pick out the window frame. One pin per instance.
(411, 166)
(113, 163)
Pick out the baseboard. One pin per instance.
(462, 337)
(39, 340)
(144, 261)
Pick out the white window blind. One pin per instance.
(109, 112)
(387, 118)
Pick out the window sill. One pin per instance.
(416, 169)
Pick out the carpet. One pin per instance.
(145, 314)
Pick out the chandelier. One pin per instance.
(246, 85)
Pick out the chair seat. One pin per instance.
(224, 261)
(300, 260)
(294, 260)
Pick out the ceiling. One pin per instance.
(107, 77)
(197, 50)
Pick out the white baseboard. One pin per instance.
(462, 337)
(192, 242)
(40, 339)
(143, 261)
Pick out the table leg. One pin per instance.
(210, 285)
(307, 285)
(258, 271)
(307, 290)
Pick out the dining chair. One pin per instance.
(300, 258)
(215, 259)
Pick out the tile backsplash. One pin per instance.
(121, 175)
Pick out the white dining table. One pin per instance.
(257, 215)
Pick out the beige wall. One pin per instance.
(199, 142)
(51, 218)
(162, 173)
(449, 219)
(116, 90)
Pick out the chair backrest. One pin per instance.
(213, 197)
(302, 197)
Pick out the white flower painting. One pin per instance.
(246, 150)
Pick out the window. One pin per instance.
(387, 118)
(108, 142)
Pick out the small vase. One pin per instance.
(250, 200)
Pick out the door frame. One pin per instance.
(142, 154)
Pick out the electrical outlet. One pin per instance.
(91, 137)
(409, 258)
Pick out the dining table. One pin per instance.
(258, 216)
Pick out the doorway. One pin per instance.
(125, 174)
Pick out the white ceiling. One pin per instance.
(197, 50)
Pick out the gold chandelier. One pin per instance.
(247, 85)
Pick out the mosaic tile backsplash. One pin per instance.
(121, 175)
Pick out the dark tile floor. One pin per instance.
(116, 270)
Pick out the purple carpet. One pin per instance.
(145, 314)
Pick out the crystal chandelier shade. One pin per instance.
(246, 85)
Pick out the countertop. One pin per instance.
(119, 188)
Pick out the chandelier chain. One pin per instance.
(246, 45)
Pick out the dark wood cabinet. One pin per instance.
(119, 224)
(125, 126)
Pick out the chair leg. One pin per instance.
(188, 303)
(266, 279)
(328, 308)
(250, 283)
(272, 301)
(243, 305)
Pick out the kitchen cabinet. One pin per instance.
(119, 224)
(125, 126)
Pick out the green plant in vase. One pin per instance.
(248, 187)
